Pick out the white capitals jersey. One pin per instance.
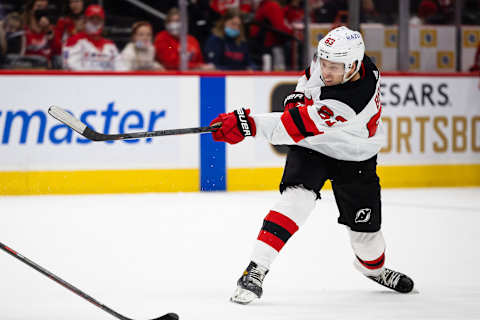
(343, 122)
(83, 53)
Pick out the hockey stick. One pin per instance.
(168, 316)
(80, 127)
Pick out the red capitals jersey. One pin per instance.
(271, 13)
(167, 49)
(223, 5)
(38, 44)
(85, 53)
(64, 29)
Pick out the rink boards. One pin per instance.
(432, 123)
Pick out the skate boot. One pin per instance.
(249, 286)
(394, 280)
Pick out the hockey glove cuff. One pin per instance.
(235, 127)
(296, 99)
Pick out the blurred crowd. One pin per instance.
(81, 35)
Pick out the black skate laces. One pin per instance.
(256, 276)
(389, 278)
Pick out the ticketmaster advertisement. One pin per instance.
(33, 140)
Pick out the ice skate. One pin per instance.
(394, 280)
(249, 286)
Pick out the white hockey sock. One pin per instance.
(286, 216)
(369, 249)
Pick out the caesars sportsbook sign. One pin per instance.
(428, 120)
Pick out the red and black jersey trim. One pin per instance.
(298, 123)
(373, 264)
(355, 94)
(276, 230)
(307, 73)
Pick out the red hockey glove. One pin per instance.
(235, 127)
(296, 99)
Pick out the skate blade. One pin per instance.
(242, 296)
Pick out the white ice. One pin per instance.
(148, 254)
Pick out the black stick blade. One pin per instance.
(168, 316)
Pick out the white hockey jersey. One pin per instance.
(83, 53)
(343, 122)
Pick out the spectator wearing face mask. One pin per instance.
(227, 48)
(71, 23)
(89, 51)
(167, 46)
(39, 31)
(139, 54)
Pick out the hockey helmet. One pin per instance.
(342, 45)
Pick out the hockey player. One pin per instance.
(333, 125)
(89, 51)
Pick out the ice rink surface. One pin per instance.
(148, 254)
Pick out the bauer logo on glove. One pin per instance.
(235, 127)
(243, 123)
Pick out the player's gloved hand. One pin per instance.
(296, 99)
(235, 127)
(293, 100)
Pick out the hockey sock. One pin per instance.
(369, 249)
(285, 218)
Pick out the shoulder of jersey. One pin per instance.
(356, 94)
(73, 40)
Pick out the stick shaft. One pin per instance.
(61, 281)
(93, 135)
(68, 119)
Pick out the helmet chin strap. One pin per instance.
(345, 79)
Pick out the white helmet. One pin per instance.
(342, 45)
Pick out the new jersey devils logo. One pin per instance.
(329, 41)
(363, 215)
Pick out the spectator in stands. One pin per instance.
(476, 61)
(471, 12)
(227, 47)
(445, 13)
(14, 41)
(139, 54)
(426, 10)
(39, 31)
(71, 23)
(368, 12)
(167, 46)
(89, 51)
(327, 11)
(384, 11)
(294, 12)
(270, 33)
(201, 19)
(221, 6)
(270, 15)
(3, 44)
